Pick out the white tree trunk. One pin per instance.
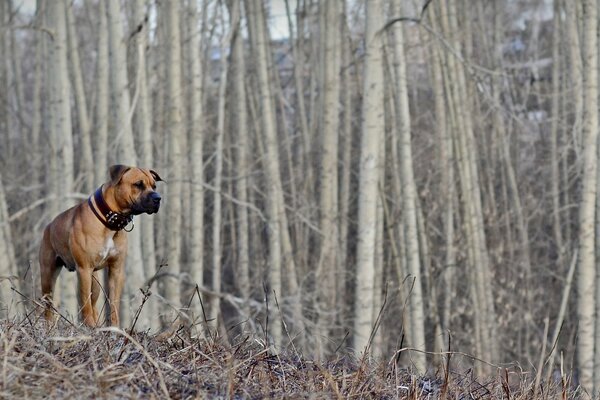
(63, 174)
(409, 192)
(586, 277)
(175, 172)
(196, 255)
(372, 134)
(328, 190)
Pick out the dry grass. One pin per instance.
(71, 362)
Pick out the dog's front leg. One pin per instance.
(116, 279)
(86, 310)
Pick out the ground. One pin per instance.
(67, 361)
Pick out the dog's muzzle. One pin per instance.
(149, 205)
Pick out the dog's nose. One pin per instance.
(156, 198)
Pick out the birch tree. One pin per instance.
(175, 171)
(372, 134)
(62, 140)
(409, 195)
(586, 277)
(196, 34)
(328, 190)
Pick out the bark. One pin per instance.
(63, 173)
(409, 194)
(102, 98)
(371, 135)
(328, 189)
(196, 257)
(242, 166)
(586, 277)
(175, 172)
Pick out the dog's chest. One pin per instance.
(109, 250)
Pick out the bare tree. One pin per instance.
(409, 200)
(63, 173)
(370, 159)
(586, 277)
(175, 171)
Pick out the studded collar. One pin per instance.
(111, 219)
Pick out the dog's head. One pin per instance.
(135, 189)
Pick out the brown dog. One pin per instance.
(91, 236)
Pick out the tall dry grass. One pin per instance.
(69, 361)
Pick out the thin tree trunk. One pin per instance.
(242, 166)
(196, 256)
(417, 315)
(175, 172)
(586, 277)
(328, 189)
(102, 98)
(372, 134)
(63, 174)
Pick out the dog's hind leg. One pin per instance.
(50, 266)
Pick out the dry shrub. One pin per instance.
(66, 361)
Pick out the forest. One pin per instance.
(413, 181)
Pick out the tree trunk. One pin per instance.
(242, 166)
(586, 277)
(62, 138)
(175, 172)
(409, 193)
(196, 256)
(372, 134)
(328, 190)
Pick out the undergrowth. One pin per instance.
(65, 361)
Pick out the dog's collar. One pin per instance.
(111, 219)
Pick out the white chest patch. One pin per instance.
(108, 250)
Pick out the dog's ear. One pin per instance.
(156, 177)
(117, 172)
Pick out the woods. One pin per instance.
(341, 178)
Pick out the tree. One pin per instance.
(328, 189)
(62, 171)
(409, 193)
(175, 133)
(586, 276)
(372, 134)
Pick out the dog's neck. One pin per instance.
(111, 219)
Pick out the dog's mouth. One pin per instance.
(149, 205)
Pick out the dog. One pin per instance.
(92, 235)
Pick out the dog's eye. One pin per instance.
(139, 185)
